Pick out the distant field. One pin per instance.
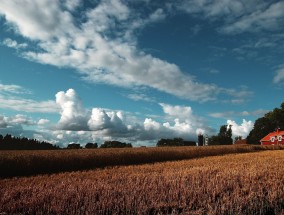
(247, 183)
(26, 163)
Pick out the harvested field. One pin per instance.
(247, 183)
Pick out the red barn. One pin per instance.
(273, 138)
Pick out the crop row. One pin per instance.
(249, 183)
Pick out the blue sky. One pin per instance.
(138, 71)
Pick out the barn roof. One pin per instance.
(272, 134)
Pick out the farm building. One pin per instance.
(273, 138)
(241, 142)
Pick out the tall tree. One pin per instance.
(224, 137)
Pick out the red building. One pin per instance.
(273, 138)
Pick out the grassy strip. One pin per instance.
(26, 163)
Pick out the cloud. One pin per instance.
(140, 97)
(75, 117)
(11, 97)
(221, 8)
(82, 125)
(182, 112)
(18, 119)
(179, 121)
(214, 71)
(14, 124)
(271, 18)
(14, 44)
(40, 20)
(279, 75)
(150, 124)
(242, 129)
(157, 15)
(13, 89)
(28, 105)
(102, 47)
(24, 126)
(238, 16)
(100, 120)
(230, 114)
(184, 116)
(43, 121)
(73, 114)
(3, 122)
(71, 5)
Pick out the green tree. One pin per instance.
(214, 140)
(266, 124)
(115, 144)
(224, 137)
(74, 146)
(91, 146)
(175, 142)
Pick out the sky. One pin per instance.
(138, 71)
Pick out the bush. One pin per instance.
(91, 146)
(116, 144)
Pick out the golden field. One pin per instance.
(242, 183)
(26, 163)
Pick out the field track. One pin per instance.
(27, 163)
(246, 183)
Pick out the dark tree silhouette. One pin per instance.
(16, 143)
(74, 146)
(224, 137)
(115, 144)
(266, 124)
(91, 146)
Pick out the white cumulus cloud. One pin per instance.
(179, 121)
(43, 121)
(241, 130)
(73, 114)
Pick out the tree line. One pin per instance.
(8, 142)
(175, 142)
(106, 144)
